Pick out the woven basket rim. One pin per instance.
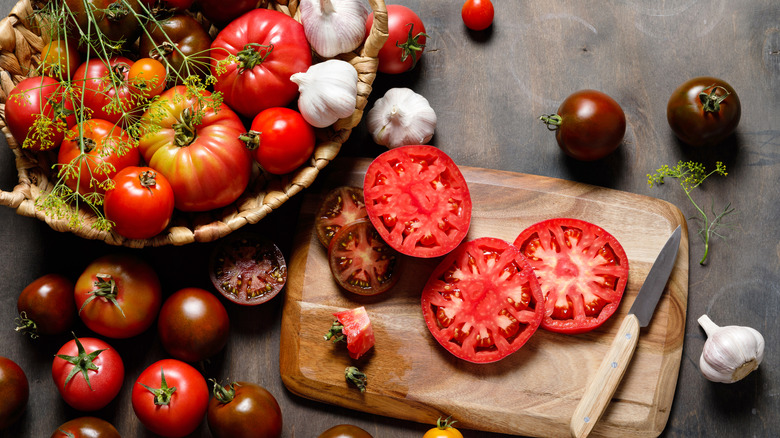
(19, 55)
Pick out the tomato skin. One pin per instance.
(260, 78)
(253, 412)
(60, 59)
(695, 125)
(48, 304)
(114, 28)
(193, 325)
(207, 165)
(448, 432)
(30, 98)
(172, 39)
(147, 77)
(86, 427)
(221, 13)
(102, 141)
(187, 405)
(477, 14)
(405, 28)
(138, 294)
(15, 390)
(345, 431)
(564, 252)
(592, 125)
(93, 84)
(140, 204)
(104, 383)
(280, 140)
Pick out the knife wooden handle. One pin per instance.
(602, 386)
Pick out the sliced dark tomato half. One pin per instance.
(360, 261)
(483, 301)
(247, 269)
(582, 270)
(418, 200)
(341, 206)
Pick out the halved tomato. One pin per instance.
(342, 206)
(247, 269)
(361, 262)
(483, 301)
(418, 200)
(582, 270)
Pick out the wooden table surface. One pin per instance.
(488, 90)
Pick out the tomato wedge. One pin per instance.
(341, 206)
(354, 325)
(418, 200)
(360, 261)
(582, 270)
(483, 301)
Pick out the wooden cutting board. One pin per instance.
(532, 392)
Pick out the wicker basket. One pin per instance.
(20, 47)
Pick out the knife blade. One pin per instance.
(602, 386)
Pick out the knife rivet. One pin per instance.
(586, 419)
(614, 364)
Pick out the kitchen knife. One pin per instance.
(599, 391)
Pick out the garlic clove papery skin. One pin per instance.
(401, 117)
(328, 92)
(334, 27)
(730, 353)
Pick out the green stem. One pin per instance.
(552, 121)
(711, 101)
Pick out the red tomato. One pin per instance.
(46, 306)
(270, 47)
(197, 149)
(86, 427)
(170, 398)
(36, 113)
(15, 390)
(589, 125)
(140, 204)
(345, 431)
(244, 410)
(703, 111)
(88, 373)
(355, 328)
(193, 325)
(361, 262)
(477, 14)
(341, 206)
(60, 59)
(118, 296)
(418, 200)
(92, 153)
(581, 268)
(483, 302)
(405, 43)
(147, 77)
(104, 88)
(280, 140)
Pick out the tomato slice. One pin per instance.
(247, 269)
(418, 200)
(342, 206)
(356, 326)
(582, 270)
(483, 301)
(360, 261)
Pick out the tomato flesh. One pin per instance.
(483, 302)
(582, 270)
(358, 330)
(361, 262)
(342, 206)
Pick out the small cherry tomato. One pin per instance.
(477, 14)
(244, 410)
(280, 140)
(703, 111)
(140, 204)
(46, 306)
(345, 431)
(443, 429)
(147, 77)
(60, 59)
(193, 324)
(88, 373)
(86, 427)
(15, 390)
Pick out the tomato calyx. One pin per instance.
(82, 362)
(336, 333)
(184, 131)
(105, 287)
(711, 101)
(26, 326)
(163, 394)
(445, 423)
(117, 11)
(552, 121)
(412, 46)
(356, 377)
(253, 54)
(148, 179)
(224, 394)
(251, 138)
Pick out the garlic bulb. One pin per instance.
(401, 117)
(730, 353)
(328, 92)
(334, 27)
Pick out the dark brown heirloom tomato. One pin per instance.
(247, 269)
(86, 427)
(703, 111)
(193, 325)
(345, 431)
(244, 410)
(342, 206)
(14, 392)
(589, 125)
(46, 306)
(113, 17)
(175, 39)
(360, 261)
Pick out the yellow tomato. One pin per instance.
(443, 429)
